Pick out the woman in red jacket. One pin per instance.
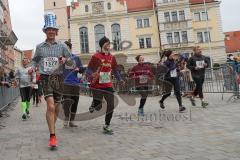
(142, 75)
(99, 72)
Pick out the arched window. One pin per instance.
(86, 8)
(84, 40)
(116, 37)
(109, 6)
(99, 33)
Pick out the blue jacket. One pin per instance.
(70, 75)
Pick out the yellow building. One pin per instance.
(132, 29)
(207, 28)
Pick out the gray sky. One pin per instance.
(27, 20)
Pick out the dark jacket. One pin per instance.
(192, 63)
(171, 65)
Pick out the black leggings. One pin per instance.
(35, 95)
(98, 95)
(199, 86)
(176, 85)
(73, 104)
(26, 94)
(143, 91)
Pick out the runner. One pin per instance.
(25, 83)
(71, 87)
(48, 56)
(197, 64)
(100, 67)
(142, 75)
(172, 77)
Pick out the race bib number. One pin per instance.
(173, 73)
(143, 79)
(104, 77)
(50, 64)
(200, 64)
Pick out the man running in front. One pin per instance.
(48, 56)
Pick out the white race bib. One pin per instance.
(200, 64)
(104, 77)
(50, 64)
(173, 73)
(143, 79)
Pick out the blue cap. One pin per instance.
(50, 21)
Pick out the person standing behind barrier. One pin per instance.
(141, 74)
(99, 72)
(35, 87)
(25, 83)
(197, 64)
(172, 77)
(232, 61)
(71, 87)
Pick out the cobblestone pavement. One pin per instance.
(198, 134)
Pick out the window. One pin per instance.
(143, 22)
(181, 15)
(201, 16)
(200, 37)
(176, 37)
(184, 37)
(109, 6)
(139, 23)
(86, 8)
(141, 42)
(203, 37)
(146, 22)
(99, 33)
(207, 36)
(169, 38)
(149, 42)
(84, 40)
(197, 16)
(165, 1)
(54, 4)
(1, 14)
(167, 17)
(116, 37)
(174, 16)
(204, 16)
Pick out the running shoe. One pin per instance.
(72, 124)
(24, 117)
(65, 123)
(204, 104)
(193, 101)
(28, 114)
(53, 142)
(140, 112)
(107, 130)
(91, 109)
(181, 109)
(162, 105)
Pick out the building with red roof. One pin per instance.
(232, 42)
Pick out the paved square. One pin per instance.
(202, 134)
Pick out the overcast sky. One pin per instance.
(27, 20)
